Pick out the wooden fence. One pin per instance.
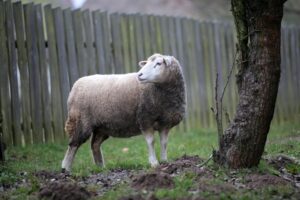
(43, 50)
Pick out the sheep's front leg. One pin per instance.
(163, 144)
(96, 142)
(149, 136)
(69, 157)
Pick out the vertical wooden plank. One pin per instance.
(62, 59)
(116, 43)
(132, 44)
(158, 35)
(139, 39)
(71, 51)
(288, 94)
(23, 67)
(46, 98)
(103, 42)
(125, 48)
(213, 65)
(181, 59)
(13, 75)
(216, 46)
(283, 85)
(204, 109)
(55, 82)
(230, 53)
(154, 40)
(297, 48)
(34, 74)
(107, 41)
(99, 42)
(89, 38)
(146, 36)
(79, 41)
(191, 74)
(208, 81)
(164, 29)
(295, 76)
(186, 65)
(224, 69)
(172, 36)
(4, 80)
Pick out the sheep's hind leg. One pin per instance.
(76, 139)
(163, 144)
(149, 136)
(97, 140)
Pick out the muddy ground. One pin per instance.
(59, 186)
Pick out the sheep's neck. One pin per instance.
(172, 86)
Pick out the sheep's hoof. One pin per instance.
(63, 170)
(163, 161)
(154, 164)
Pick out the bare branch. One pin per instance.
(205, 162)
(229, 76)
(218, 109)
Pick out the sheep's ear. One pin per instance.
(142, 63)
(168, 60)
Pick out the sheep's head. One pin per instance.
(156, 69)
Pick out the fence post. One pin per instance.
(2, 156)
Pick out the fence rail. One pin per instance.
(44, 50)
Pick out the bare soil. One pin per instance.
(151, 181)
(63, 191)
(56, 185)
(183, 164)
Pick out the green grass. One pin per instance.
(20, 160)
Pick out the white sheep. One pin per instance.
(125, 105)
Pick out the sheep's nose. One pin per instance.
(140, 74)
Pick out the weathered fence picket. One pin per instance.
(70, 44)
(13, 74)
(44, 50)
(23, 69)
(43, 66)
(56, 102)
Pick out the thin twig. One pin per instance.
(205, 162)
(218, 110)
(228, 77)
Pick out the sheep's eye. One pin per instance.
(157, 64)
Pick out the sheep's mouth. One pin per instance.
(141, 79)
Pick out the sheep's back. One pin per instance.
(107, 101)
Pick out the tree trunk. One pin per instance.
(258, 24)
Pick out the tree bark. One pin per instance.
(258, 24)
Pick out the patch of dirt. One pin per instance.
(256, 181)
(184, 163)
(103, 181)
(281, 163)
(151, 181)
(216, 188)
(107, 180)
(56, 185)
(139, 197)
(63, 191)
(52, 176)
